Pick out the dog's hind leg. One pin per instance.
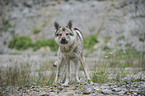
(77, 66)
(82, 61)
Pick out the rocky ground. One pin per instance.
(78, 89)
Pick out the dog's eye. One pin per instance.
(67, 34)
(60, 34)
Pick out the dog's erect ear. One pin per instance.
(56, 25)
(69, 24)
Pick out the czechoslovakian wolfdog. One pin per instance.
(70, 41)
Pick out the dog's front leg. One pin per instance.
(77, 66)
(59, 63)
(68, 72)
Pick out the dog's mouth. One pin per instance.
(63, 42)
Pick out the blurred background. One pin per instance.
(114, 39)
(116, 22)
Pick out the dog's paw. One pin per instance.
(55, 64)
(66, 83)
(78, 81)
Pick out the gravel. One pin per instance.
(74, 90)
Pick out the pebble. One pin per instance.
(121, 92)
(88, 91)
(106, 91)
(44, 94)
(116, 89)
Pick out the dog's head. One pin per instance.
(64, 36)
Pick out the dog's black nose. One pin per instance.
(63, 39)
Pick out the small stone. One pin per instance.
(44, 94)
(97, 89)
(88, 91)
(104, 87)
(116, 89)
(32, 87)
(135, 94)
(121, 92)
(51, 87)
(52, 93)
(67, 94)
(106, 91)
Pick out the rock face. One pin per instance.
(116, 22)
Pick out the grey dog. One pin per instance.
(70, 41)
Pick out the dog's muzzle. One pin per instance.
(63, 41)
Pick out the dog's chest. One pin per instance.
(69, 52)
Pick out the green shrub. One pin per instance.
(20, 42)
(42, 43)
(36, 30)
(23, 42)
(6, 25)
(5, 22)
(90, 41)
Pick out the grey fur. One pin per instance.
(70, 43)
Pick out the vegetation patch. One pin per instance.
(90, 41)
(15, 75)
(120, 38)
(20, 42)
(142, 39)
(6, 25)
(24, 42)
(42, 43)
(114, 64)
(5, 22)
(36, 30)
(124, 58)
(15, 53)
(105, 48)
(100, 77)
(20, 75)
